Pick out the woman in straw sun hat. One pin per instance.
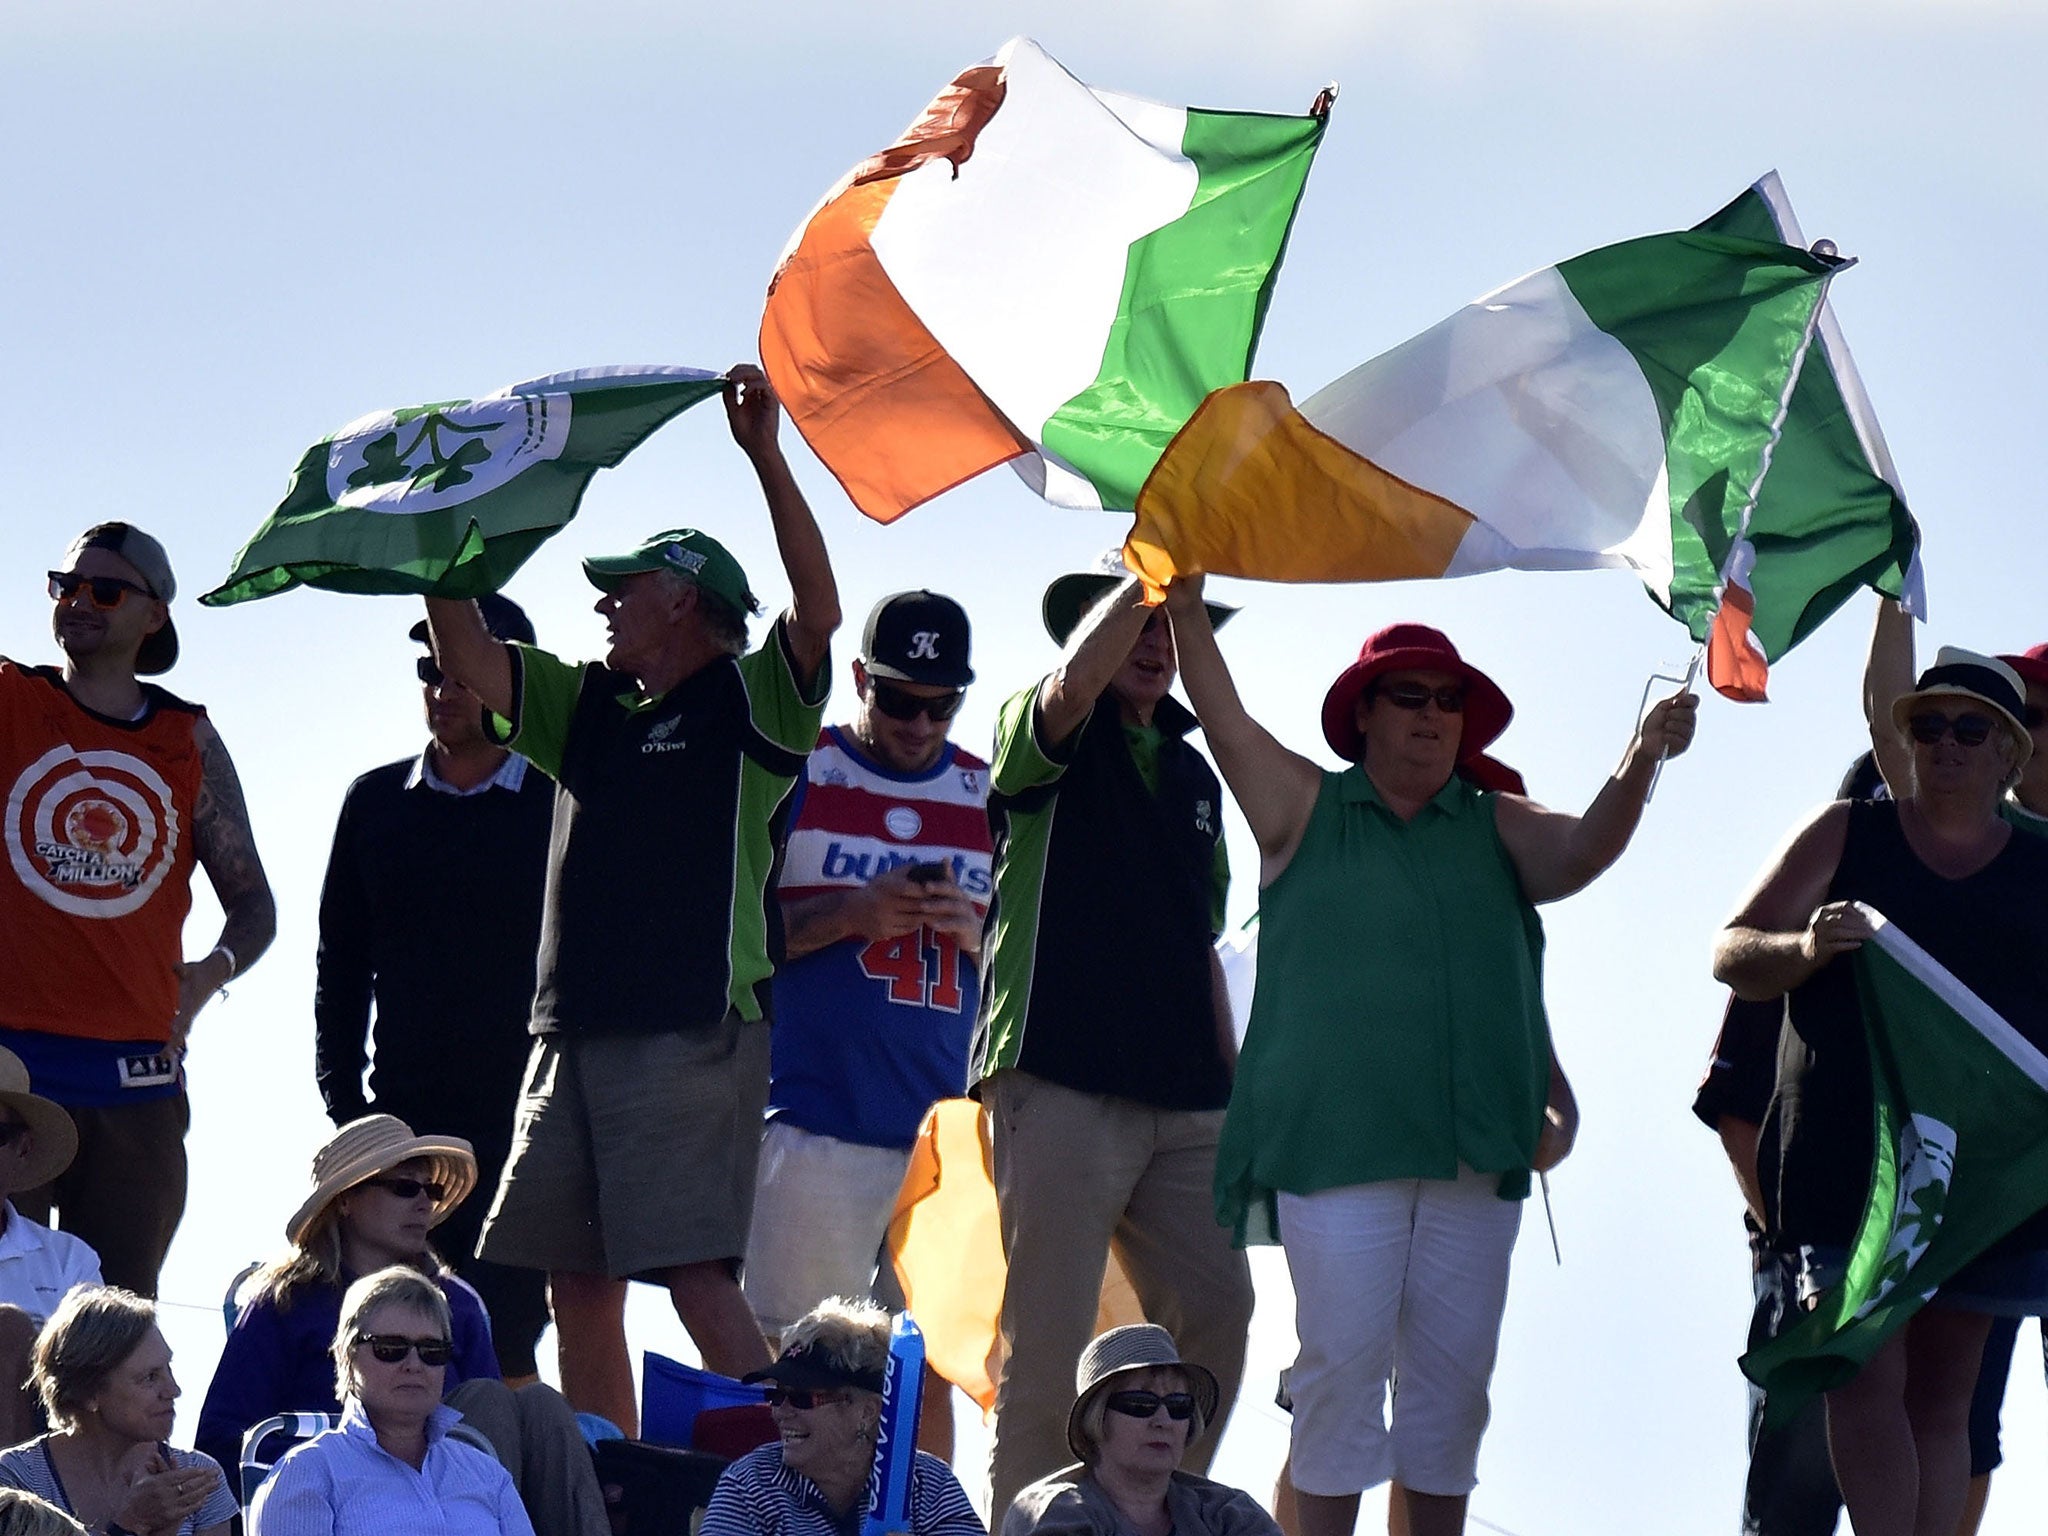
(1951, 872)
(1137, 1405)
(377, 1193)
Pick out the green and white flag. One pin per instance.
(1829, 518)
(1962, 1159)
(451, 499)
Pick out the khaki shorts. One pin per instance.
(633, 1154)
(821, 1216)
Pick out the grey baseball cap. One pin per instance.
(159, 651)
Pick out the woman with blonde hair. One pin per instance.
(390, 1465)
(103, 1372)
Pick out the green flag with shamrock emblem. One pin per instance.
(1961, 1106)
(450, 499)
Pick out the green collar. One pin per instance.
(1357, 786)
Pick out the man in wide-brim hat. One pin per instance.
(1397, 1087)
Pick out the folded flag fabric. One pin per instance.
(1620, 409)
(1829, 518)
(450, 499)
(1961, 1160)
(1037, 272)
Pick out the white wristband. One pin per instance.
(233, 968)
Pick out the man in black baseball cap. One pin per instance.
(884, 888)
(113, 787)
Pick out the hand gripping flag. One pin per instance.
(1038, 272)
(1624, 408)
(1961, 1159)
(451, 499)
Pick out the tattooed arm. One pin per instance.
(227, 852)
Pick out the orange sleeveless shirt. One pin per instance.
(97, 878)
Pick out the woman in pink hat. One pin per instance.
(1389, 1102)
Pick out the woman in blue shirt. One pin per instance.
(390, 1466)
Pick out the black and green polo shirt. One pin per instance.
(657, 916)
(1110, 882)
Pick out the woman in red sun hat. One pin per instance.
(1389, 1102)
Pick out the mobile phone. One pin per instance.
(927, 873)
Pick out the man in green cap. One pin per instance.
(634, 1153)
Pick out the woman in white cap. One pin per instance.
(1137, 1405)
(826, 1395)
(103, 1372)
(1950, 872)
(38, 1266)
(378, 1193)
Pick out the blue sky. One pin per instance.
(230, 228)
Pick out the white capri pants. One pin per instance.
(1405, 1279)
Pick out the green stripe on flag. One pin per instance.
(1826, 521)
(451, 499)
(1194, 299)
(1719, 326)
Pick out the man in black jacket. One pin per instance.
(431, 908)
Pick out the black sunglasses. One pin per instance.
(411, 1189)
(105, 591)
(803, 1399)
(394, 1347)
(1450, 698)
(429, 671)
(899, 705)
(1179, 1406)
(1968, 730)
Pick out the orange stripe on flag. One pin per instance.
(874, 394)
(1736, 665)
(1249, 488)
(947, 1243)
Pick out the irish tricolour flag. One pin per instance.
(450, 499)
(1625, 408)
(1038, 272)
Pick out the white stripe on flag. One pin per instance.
(1044, 212)
(1523, 412)
(1939, 980)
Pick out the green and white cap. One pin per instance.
(684, 550)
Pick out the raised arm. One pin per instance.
(226, 849)
(1276, 788)
(470, 653)
(1556, 853)
(1786, 929)
(1888, 673)
(754, 415)
(1095, 650)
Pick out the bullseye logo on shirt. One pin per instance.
(91, 833)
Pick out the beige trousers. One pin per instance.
(1077, 1175)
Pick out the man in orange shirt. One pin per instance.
(112, 790)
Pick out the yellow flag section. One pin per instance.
(1620, 409)
(946, 1240)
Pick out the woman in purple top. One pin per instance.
(378, 1192)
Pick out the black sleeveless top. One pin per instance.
(1990, 929)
